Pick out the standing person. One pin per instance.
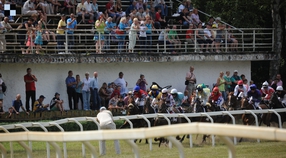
(1, 92)
(191, 80)
(94, 92)
(133, 35)
(221, 84)
(86, 92)
(142, 82)
(122, 83)
(61, 33)
(99, 34)
(39, 39)
(30, 86)
(16, 104)
(234, 79)
(279, 82)
(228, 83)
(71, 84)
(71, 26)
(78, 90)
(105, 119)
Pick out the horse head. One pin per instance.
(245, 104)
(275, 102)
(132, 109)
(148, 106)
(233, 102)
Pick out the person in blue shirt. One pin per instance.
(16, 104)
(178, 97)
(71, 84)
(254, 96)
(71, 26)
(121, 37)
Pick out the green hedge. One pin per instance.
(71, 126)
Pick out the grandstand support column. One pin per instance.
(278, 24)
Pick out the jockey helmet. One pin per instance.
(240, 82)
(279, 88)
(265, 84)
(154, 87)
(253, 87)
(174, 91)
(136, 89)
(164, 90)
(199, 88)
(216, 89)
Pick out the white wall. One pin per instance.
(51, 77)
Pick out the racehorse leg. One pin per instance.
(182, 139)
(125, 125)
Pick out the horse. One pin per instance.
(233, 103)
(275, 104)
(249, 119)
(132, 109)
(163, 108)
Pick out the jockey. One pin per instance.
(155, 95)
(178, 97)
(254, 96)
(281, 95)
(203, 94)
(216, 98)
(240, 90)
(140, 96)
(167, 99)
(266, 91)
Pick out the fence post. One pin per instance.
(98, 127)
(169, 123)
(25, 129)
(149, 126)
(212, 121)
(178, 145)
(64, 143)
(256, 120)
(45, 129)
(278, 116)
(190, 136)
(81, 129)
(233, 122)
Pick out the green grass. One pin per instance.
(249, 148)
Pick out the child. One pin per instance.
(39, 39)
(29, 42)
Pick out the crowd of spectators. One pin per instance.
(142, 21)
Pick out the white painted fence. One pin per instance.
(169, 131)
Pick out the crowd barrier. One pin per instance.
(169, 131)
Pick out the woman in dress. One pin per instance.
(133, 34)
(38, 39)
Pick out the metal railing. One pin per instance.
(207, 129)
(250, 40)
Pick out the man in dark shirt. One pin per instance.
(71, 83)
(17, 104)
(30, 85)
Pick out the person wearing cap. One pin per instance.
(254, 96)
(61, 33)
(178, 97)
(141, 82)
(39, 106)
(216, 98)
(17, 103)
(120, 81)
(167, 98)
(266, 91)
(240, 90)
(106, 122)
(56, 103)
(140, 96)
(154, 95)
(234, 79)
(202, 94)
(281, 95)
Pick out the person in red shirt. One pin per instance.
(111, 11)
(30, 86)
(190, 34)
(159, 22)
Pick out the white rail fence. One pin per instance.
(129, 135)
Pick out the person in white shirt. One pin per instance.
(105, 119)
(89, 11)
(86, 92)
(182, 6)
(121, 81)
(143, 35)
(29, 8)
